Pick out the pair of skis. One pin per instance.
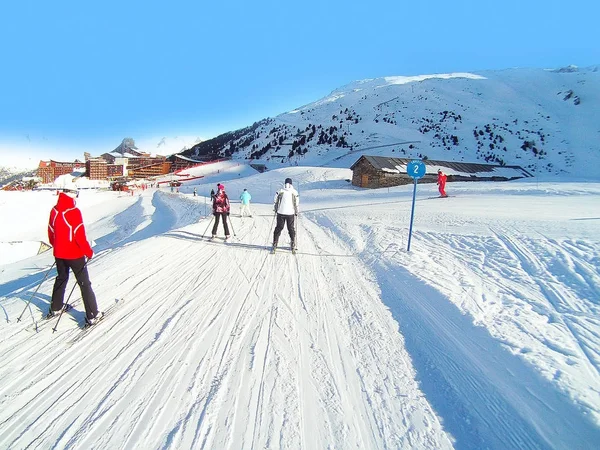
(88, 328)
(47, 321)
(293, 250)
(229, 239)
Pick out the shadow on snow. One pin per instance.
(485, 396)
(162, 220)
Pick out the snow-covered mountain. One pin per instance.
(9, 174)
(542, 120)
(167, 146)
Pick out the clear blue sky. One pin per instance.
(78, 71)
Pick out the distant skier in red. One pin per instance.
(441, 181)
(66, 233)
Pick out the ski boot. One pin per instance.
(52, 313)
(93, 321)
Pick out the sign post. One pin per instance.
(416, 170)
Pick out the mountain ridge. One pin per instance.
(541, 119)
(10, 174)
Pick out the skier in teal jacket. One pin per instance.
(245, 198)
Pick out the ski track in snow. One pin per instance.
(348, 344)
(564, 306)
(238, 347)
(462, 369)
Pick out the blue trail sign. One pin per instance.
(415, 169)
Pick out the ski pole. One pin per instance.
(231, 225)
(64, 308)
(272, 222)
(296, 226)
(203, 234)
(66, 305)
(36, 289)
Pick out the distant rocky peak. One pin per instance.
(126, 145)
(568, 69)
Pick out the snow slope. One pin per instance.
(484, 335)
(545, 121)
(220, 170)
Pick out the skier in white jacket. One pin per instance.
(286, 207)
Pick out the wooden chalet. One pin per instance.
(381, 171)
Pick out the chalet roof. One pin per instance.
(382, 162)
(398, 165)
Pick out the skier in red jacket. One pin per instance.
(66, 234)
(441, 181)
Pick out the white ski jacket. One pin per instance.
(287, 201)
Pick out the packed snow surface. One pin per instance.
(485, 335)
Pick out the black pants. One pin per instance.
(225, 225)
(81, 275)
(282, 220)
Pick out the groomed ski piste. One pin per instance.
(485, 335)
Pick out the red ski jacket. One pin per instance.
(66, 232)
(441, 178)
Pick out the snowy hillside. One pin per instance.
(215, 171)
(546, 121)
(484, 335)
(8, 174)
